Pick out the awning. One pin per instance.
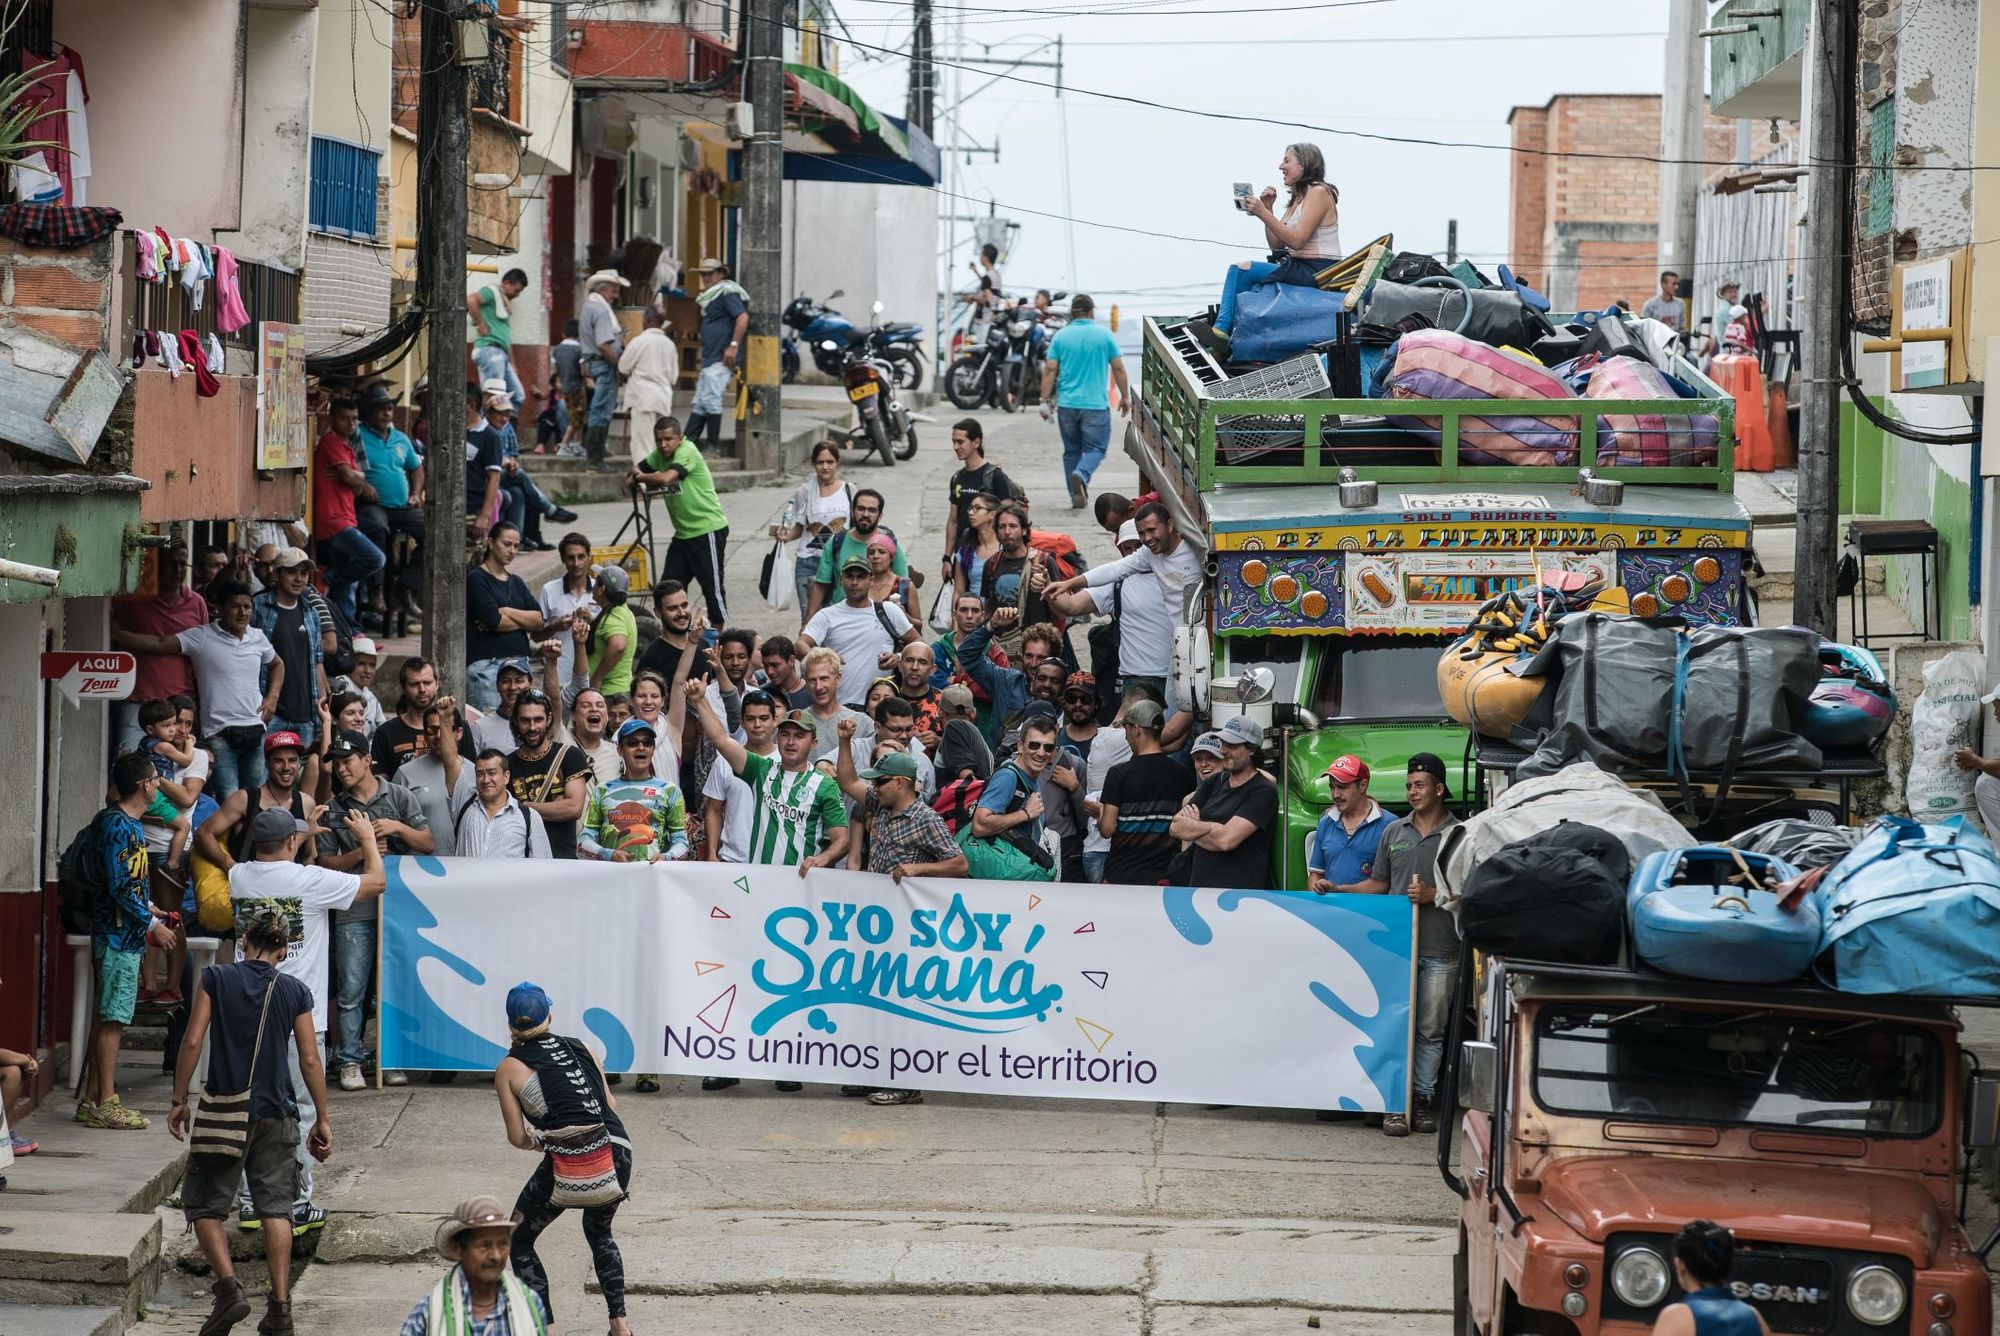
(862, 146)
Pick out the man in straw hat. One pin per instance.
(479, 1294)
(603, 344)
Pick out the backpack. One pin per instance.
(341, 662)
(1103, 642)
(80, 881)
(529, 814)
(956, 800)
(1059, 548)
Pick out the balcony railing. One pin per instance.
(268, 292)
(493, 82)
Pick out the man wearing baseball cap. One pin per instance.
(289, 621)
(1342, 854)
(1407, 865)
(273, 878)
(799, 820)
(725, 323)
(1229, 821)
(1139, 799)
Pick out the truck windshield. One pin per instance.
(1377, 678)
(1663, 1063)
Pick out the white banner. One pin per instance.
(1103, 992)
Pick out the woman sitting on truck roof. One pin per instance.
(1704, 1254)
(1307, 238)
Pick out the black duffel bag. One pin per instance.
(1495, 316)
(1557, 896)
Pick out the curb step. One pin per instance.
(81, 1260)
(60, 1320)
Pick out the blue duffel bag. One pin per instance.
(1914, 909)
(1692, 915)
(1275, 321)
(1238, 280)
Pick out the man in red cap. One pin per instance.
(1342, 855)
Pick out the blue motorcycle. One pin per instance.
(828, 334)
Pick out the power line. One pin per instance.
(1482, 39)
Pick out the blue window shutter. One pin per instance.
(343, 187)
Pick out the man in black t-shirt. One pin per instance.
(551, 777)
(402, 735)
(1230, 819)
(1139, 800)
(975, 475)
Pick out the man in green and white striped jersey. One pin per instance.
(799, 820)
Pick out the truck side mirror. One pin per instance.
(1478, 1074)
(1982, 1112)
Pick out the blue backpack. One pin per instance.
(1914, 909)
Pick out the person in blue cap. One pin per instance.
(555, 1101)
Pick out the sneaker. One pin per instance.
(247, 1218)
(395, 1078)
(21, 1145)
(1078, 493)
(712, 1082)
(111, 1116)
(307, 1218)
(563, 515)
(791, 1087)
(230, 1308)
(570, 451)
(350, 1076)
(85, 1110)
(650, 1085)
(1395, 1125)
(888, 1097)
(277, 1318)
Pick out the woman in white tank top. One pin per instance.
(1310, 227)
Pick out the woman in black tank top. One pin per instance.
(552, 1087)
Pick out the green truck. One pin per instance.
(1345, 554)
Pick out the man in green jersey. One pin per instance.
(701, 529)
(798, 808)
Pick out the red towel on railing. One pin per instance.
(229, 313)
(205, 383)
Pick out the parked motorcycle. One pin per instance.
(982, 377)
(825, 332)
(881, 422)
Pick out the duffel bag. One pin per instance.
(1438, 364)
(1649, 439)
(1804, 844)
(1274, 321)
(1915, 909)
(1494, 316)
(1557, 896)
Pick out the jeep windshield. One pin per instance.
(1747, 1066)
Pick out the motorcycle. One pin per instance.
(881, 422)
(982, 377)
(825, 332)
(821, 328)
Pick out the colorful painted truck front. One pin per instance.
(1347, 593)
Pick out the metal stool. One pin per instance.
(1896, 538)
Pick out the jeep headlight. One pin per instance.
(1875, 1295)
(1639, 1277)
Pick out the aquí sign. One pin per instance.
(104, 674)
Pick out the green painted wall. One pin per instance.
(83, 536)
(1903, 480)
(1860, 463)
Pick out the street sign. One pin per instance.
(103, 674)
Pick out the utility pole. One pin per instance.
(442, 176)
(923, 74)
(1681, 116)
(1822, 323)
(761, 248)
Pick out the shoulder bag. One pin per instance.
(220, 1129)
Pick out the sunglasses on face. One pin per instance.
(1078, 698)
(880, 780)
(1038, 747)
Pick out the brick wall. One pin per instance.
(1607, 181)
(347, 282)
(64, 294)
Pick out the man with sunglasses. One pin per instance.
(1011, 805)
(1095, 751)
(550, 778)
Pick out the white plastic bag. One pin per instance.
(940, 618)
(776, 580)
(1945, 718)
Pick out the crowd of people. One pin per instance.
(1013, 722)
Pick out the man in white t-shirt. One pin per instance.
(1145, 624)
(566, 600)
(1165, 554)
(728, 802)
(860, 630)
(305, 896)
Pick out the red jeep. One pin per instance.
(1603, 1108)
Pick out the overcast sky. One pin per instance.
(1431, 69)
